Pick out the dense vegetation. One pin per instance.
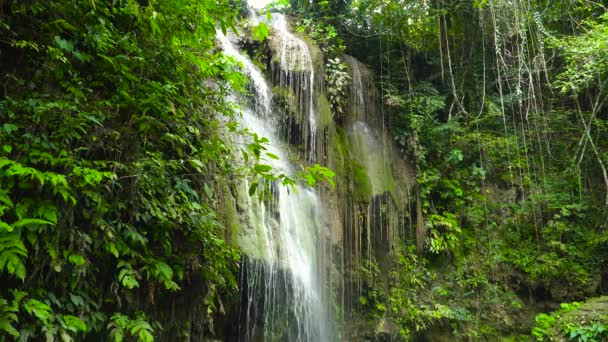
(111, 150)
(114, 163)
(501, 107)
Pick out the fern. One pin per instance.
(38, 309)
(121, 326)
(12, 253)
(8, 316)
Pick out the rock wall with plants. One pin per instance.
(366, 211)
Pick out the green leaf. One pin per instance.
(253, 188)
(5, 199)
(65, 336)
(164, 270)
(77, 260)
(78, 301)
(9, 128)
(111, 247)
(50, 213)
(154, 20)
(28, 222)
(127, 276)
(75, 323)
(5, 227)
(245, 155)
(8, 327)
(38, 309)
(260, 32)
(64, 44)
(145, 336)
(262, 168)
(117, 335)
(197, 165)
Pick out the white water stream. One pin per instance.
(280, 275)
(298, 73)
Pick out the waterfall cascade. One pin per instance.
(282, 298)
(301, 246)
(296, 71)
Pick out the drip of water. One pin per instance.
(363, 106)
(297, 72)
(357, 84)
(280, 284)
(373, 223)
(253, 17)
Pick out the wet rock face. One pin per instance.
(383, 329)
(562, 291)
(386, 330)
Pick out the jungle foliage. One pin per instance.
(501, 107)
(110, 122)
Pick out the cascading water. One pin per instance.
(259, 86)
(363, 100)
(296, 72)
(280, 288)
(302, 249)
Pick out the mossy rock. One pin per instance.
(362, 186)
(372, 154)
(285, 98)
(339, 156)
(586, 321)
(593, 310)
(386, 330)
(283, 95)
(350, 170)
(326, 116)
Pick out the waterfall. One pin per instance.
(259, 86)
(297, 72)
(280, 288)
(303, 249)
(363, 104)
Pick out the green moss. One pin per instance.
(284, 98)
(318, 59)
(228, 212)
(362, 187)
(340, 155)
(341, 138)
(383, 181)
(275, 46)
(374, 158)
(317, 56)
(593, 310)
(283, 93)
(326, 115)
(588, 321)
